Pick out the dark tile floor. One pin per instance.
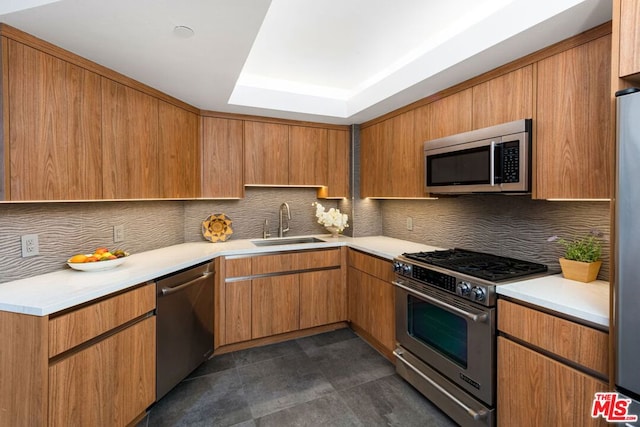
(331, 379)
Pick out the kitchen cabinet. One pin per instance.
(549, 368)
(371, 299)
(266, 153)
(443, 117)
(391, 158)
(90, 365)
(261, 296)
(52, 119)
(503, 99)
(179, 152)
(222, 158)
(129, 142)
(338, 164)
(629, 21)
(574, 138)
(308, 155)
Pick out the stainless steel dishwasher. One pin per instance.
(184, 324)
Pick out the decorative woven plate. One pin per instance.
(217, 228)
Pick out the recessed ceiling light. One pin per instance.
(183, 32)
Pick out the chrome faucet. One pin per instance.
(265, 229)
(282, 230)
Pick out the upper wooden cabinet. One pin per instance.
(443, 117)
(573, 135)
(222, 158)
(629, 37)
(266, 153)
(308, 154)
(53, 120)
(179, 152)
(504, 99)
(339, 163)
(130, 143)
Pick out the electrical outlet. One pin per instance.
(409, 223)
(118, 233)
(30, 245)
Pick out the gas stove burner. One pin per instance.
(477, 264)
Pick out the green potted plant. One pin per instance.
(581, 259)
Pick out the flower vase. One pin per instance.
(333, 230)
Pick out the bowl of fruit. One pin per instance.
(100, 259)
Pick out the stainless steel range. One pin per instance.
(446, 327)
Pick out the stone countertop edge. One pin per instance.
(583, 301)
(52, 292)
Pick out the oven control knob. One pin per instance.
(406, 268)
(464, 288)
(397, 266)
(477, 294)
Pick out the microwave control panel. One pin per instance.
(510, 162)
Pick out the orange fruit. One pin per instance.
(78, 258)
(92, 259)
(100, 251)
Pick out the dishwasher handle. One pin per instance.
(166, 290)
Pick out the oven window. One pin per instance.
(439, 329)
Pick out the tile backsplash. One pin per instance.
(506, 225)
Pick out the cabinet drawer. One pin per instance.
(316, 259)
(237, 267)
(583, 345)
(293, 261)
(272, 263)
(73, 328)
(374, 266)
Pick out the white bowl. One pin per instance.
(96, 265)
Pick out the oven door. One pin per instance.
(453, 336)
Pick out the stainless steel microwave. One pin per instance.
(495, 159)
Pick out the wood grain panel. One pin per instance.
(405, 154)
(372, 265)
(238, 311)
(238, 267)
(222, 158)
(583, 345)
(54, 128)
(574, 134)
(504, 99)
(266, 153)
(275, 305)
(130, 143)
(372, 160)
(80, 393)
(323, 298)
(23, 370)
(534, 390)
(308, 156)
(315, 259)
(179, 152)
(445, 116)
(339, 163)
(73, 328)
(272, 263)
(629, 37)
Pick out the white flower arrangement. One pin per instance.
(331, 218)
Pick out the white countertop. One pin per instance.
(586, 301)
(52, 292)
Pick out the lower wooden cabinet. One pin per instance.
(548, 369)
(265, 295)
(107, 384)
(371, 300)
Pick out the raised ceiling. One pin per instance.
(332, 61)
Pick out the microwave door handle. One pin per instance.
(492, 164)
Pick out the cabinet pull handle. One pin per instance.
(168, 291)
(476, 415)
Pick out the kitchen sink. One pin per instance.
(286, 241)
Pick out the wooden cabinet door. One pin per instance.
(237, 311)
(323, 298)
(308, 156)
(447, 116)
(130, 143)
(275, 305)
(373, 160)
(266, 153)
(534, 390)
(358, 298)
(55, 151)
(179, 152)
(222, 158)
(339, 163)
(107, 384)
(574, 138)
(629, 37)
(504, 99)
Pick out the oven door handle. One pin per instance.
(476, 415)
(492, 164)
(475, 317)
